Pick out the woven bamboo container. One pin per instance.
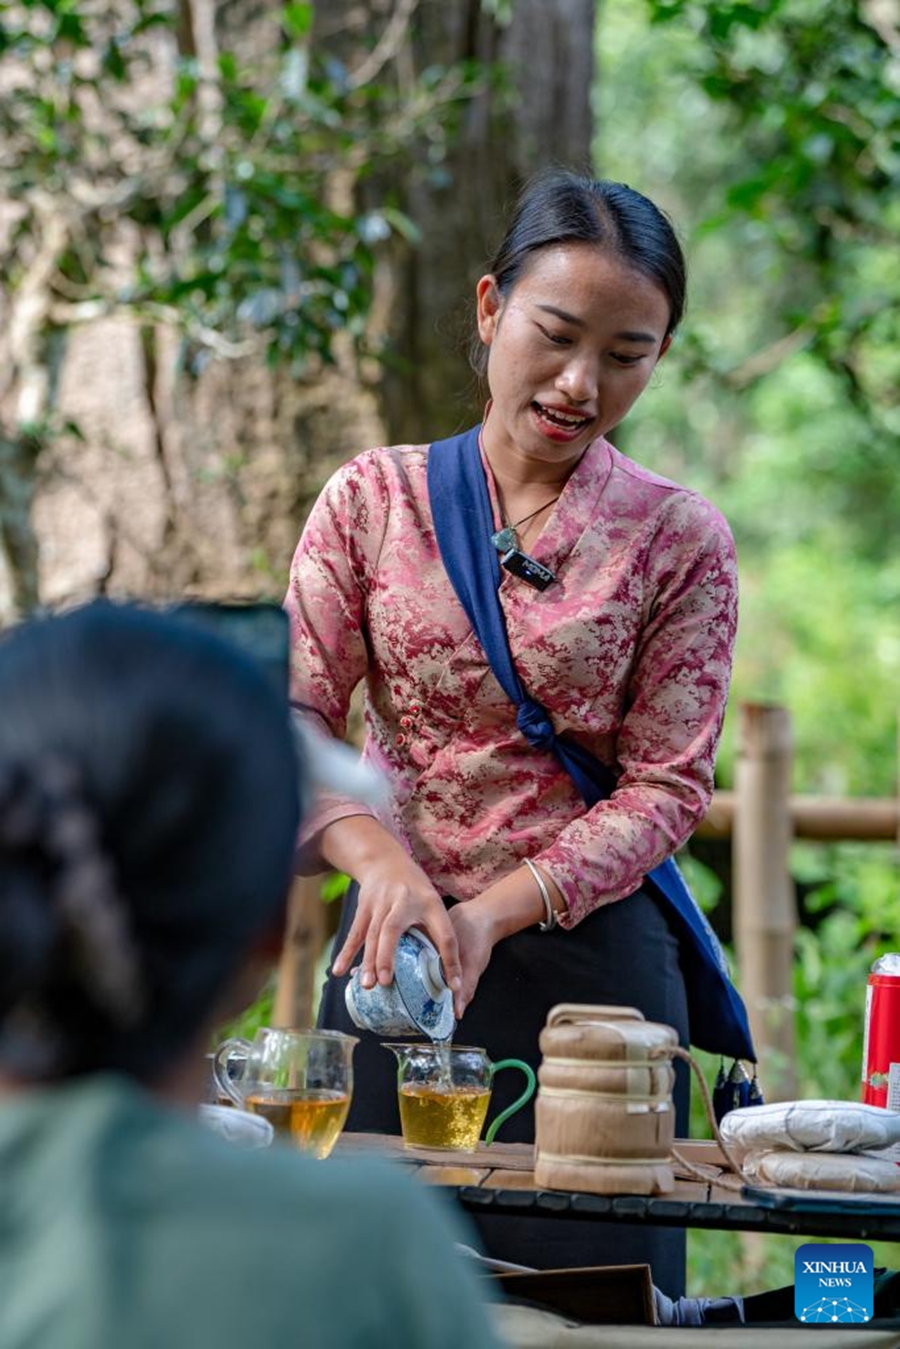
(604, 1116)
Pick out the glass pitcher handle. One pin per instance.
(531, 1083)
(220, 1067)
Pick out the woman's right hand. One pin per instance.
(394, 894)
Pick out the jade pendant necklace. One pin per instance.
(506, 538)
(520, 564)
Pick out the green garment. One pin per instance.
(126, 1225)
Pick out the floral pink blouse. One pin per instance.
(629, 650)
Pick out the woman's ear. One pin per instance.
(666, 343)
(489, 303)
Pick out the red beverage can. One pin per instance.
(881, 1043)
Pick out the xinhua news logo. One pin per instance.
(834, 1283)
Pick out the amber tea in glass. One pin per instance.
(443, 1117)
(300, 1081)
(444, 1092)
(313, 1120)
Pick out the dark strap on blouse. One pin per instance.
(463, 524)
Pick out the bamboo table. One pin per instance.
(500, 1179)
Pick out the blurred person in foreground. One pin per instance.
(149, 802)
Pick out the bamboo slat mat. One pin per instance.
(504, 1174)
(509, 1156)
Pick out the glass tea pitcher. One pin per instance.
(301, 1081)
(444, 1092)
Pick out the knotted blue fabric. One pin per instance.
(534, 723)
(463, 523)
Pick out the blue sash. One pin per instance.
(463, 523)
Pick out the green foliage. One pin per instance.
(199, 189)
(334, 886)
(771, 132)
(500, 10)
(819, 635)
(854, 901)
(704, 883)
(739, 1263)
(808, 92)
(793, 280)
(245, 1025)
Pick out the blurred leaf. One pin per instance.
(402, 224)
(334, 887)
(702, 881)
(245, 1025)
(72, 428)
(297, 19)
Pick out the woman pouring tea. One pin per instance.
(526, 605)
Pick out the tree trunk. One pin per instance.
(18, 541)
(538, 113)
(199, 483)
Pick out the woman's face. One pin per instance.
(570, 348)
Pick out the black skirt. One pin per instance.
(622, 954)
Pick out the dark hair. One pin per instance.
(559, 206)
(149, 803)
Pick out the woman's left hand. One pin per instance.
(475, 936)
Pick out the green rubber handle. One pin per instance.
(517, 1104)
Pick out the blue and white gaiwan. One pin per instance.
(416, 1001)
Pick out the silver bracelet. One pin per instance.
(551, 918)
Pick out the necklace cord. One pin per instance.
(525, 518)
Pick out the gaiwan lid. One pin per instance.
(420, 983)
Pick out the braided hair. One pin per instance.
(149, 802)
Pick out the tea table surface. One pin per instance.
(500, 1178)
